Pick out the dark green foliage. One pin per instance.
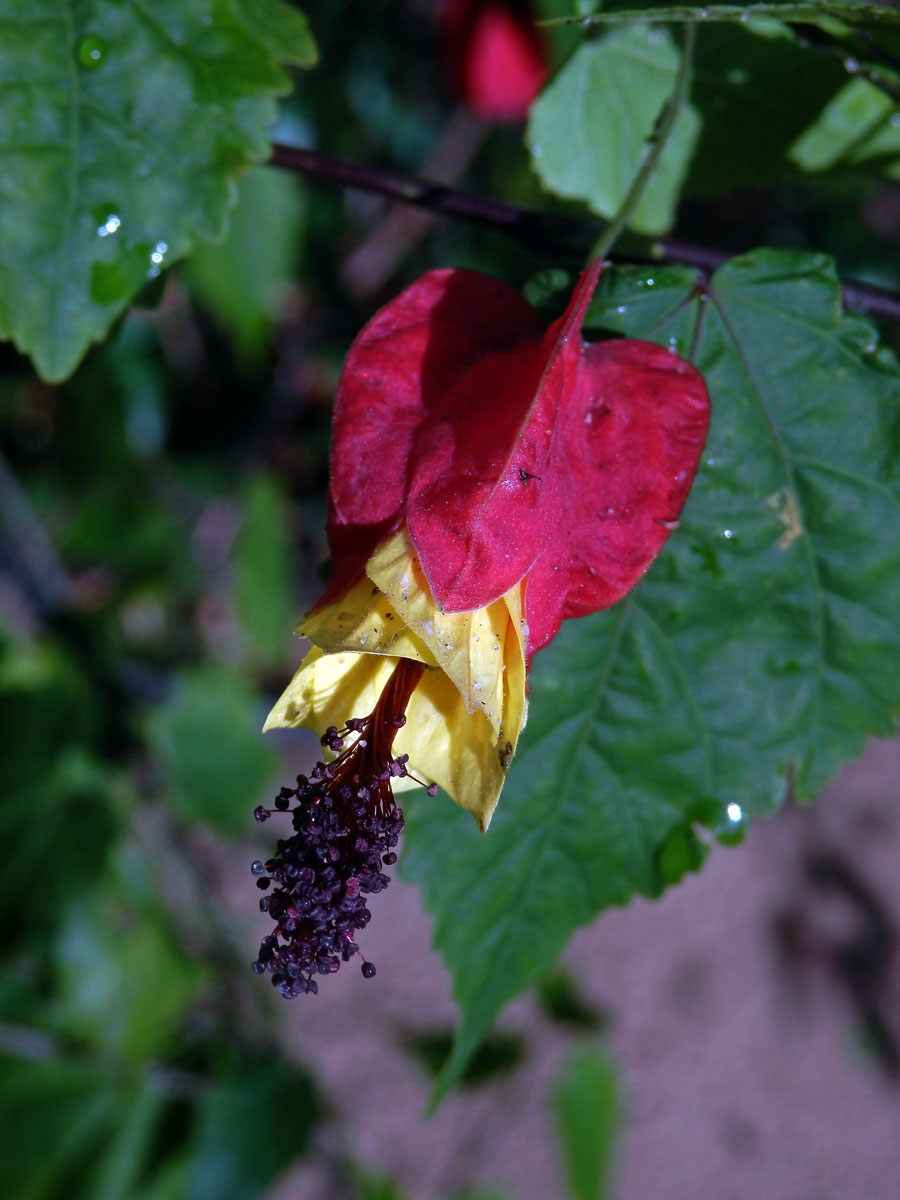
(162, 508)
(127, 125)
(751, 659)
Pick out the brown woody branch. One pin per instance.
(552, 233)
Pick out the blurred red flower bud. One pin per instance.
(495, 55)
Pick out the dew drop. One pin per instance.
(731, 829)
(650, 282)
(851, 65)
(621, 308)
(728, 823)
(91, 51)
(157, 258)
(729, 533)
(110, 225)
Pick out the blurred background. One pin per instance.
(161, 531)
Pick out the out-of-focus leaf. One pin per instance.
(249, 1128)
(861, 124)
(46, 708)
(55, 1116)
(126, 125)
(56, 836)
(119, 1169)
(262, 562)
(756, 95)
(377, 1187)
(756, 652)
(92, 1132)
(57, 820)
(244, 280)
(586, 1106)
(206, 740)
(589, 128)
(124, 985)
(498, 1054)
(479, 1193)
(561, 1000)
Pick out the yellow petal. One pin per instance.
(365, 621)
(329, 688)
(452, 747)
(467, 646)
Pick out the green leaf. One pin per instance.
(859, 125)
(587, 1109)
(244, 281)
(743, 83)
(124, 985)
(54, 1116)
(589, 128)
(208, 742)
(126, 125)
(755, 654)
(262, 560)
(119, 1169)
(249, 1128)
(560, 999)
(500, 1053)
(58, 820)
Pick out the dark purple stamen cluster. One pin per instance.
(346, 825)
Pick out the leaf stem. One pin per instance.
(653, 149)
(795, 14)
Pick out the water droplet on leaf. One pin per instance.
(91, 51)
(731, 830)
(157, 258)
(109, 225)
(728, 822)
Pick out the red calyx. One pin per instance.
(510, 450)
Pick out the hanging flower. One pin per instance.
(489, 478)
(496, 57)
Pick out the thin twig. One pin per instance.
(653, 149)
(550, 233)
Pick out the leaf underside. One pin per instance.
(753, 657)
(124, 128)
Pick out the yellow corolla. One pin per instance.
(465, 715)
